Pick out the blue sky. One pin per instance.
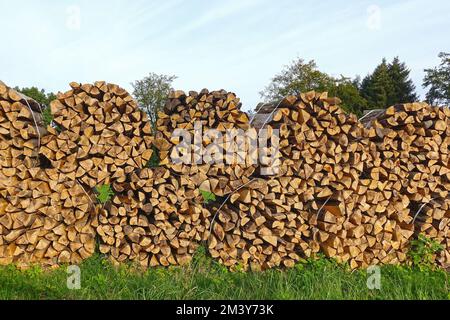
(238, 45)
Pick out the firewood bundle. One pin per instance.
(414, 145)
(352, 217)
(362, 236)
(100, 135)
(21, 129)
(45, 219)
(262, 226)
(319, 144)
(155, 219)
(203, 158)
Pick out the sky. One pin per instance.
(237, 45)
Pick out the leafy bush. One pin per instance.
(423, 252)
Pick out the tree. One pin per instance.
(438, 81)
(38, 94)
(152, 92)
(377, 88)
(301, 77)
(347, 90)
(296, 78)
(403, 88)
(389, 84)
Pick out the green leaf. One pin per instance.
(104, 193)
(207, 196)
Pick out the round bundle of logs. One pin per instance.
(45, 219)
(21, 130)
(413, 141)
(191, 137)
(261, 226)
(331, 155)
(100, 134)
(155, 219)
(319, 144)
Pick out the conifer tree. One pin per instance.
(403, 87)
(377, 88)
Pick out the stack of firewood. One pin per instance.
(198, 152)
(413, 141)
(156, 220)
(21, 132)
(100, 134)
(356, 193)
(353, 217)
(261, 226)
(44, 218)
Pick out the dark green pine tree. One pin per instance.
(403, 89)
(377, 88)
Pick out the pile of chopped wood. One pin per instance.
(261, 226)
(100, 134)
(413, 143)
(357, 192)
(46, 222)
(21, 132)
(203, 160)
(351, 215)
(157, 219)
(44, 217)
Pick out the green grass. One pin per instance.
(204, 279)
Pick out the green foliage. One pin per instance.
(152, 92)
(47, 116)
(388, 85)
(348, 92)
(378, 87)
(104, 193)
(423, 252)
(296, 78)
(438, 81)
(403, 88)
(208, 196)
(155, 158)
(301, 77)
(38, 94)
